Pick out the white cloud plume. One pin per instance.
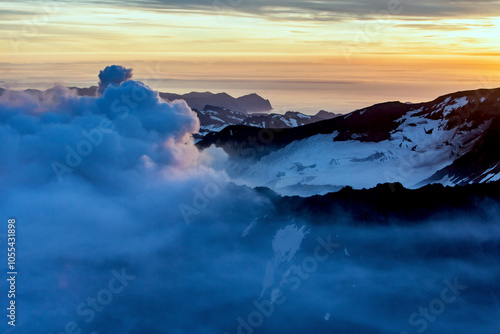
(58, 134)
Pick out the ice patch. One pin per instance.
(495, 178)
(216, 119)
(458, 103)
(285, 244)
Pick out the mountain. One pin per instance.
(215, 119)
(196, 100)
(90, 91)
(481, 164)
(451, 140)
(254, 103)
(386, 203)
(244, 104)
(322, 115)
(291, 119)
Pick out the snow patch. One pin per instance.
(293, 122)
(457, 103)
(299, 115)
(216, 119)
(287, 242)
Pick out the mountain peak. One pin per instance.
(255, 103)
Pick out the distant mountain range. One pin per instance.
(451, 140)
(217, 111)
(244, 104)
(215, 119)
(196, 100)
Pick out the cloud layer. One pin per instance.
(56, 134)
(334, 10)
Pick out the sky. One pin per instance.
(100, 188)
(302, 55)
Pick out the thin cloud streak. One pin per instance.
(337, 9)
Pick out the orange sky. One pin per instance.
(302, 55)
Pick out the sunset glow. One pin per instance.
(250, 166)
(413, 49)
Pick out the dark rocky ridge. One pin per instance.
(391, 203)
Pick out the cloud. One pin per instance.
(435, 27)
(60, 135)
(326, 10)
(113, 75)
(95, 177)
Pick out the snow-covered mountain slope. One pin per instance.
(480, 165)
(215, 119)
(452, 140)
(290, 119)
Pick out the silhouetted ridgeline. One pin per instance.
(392, 203)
